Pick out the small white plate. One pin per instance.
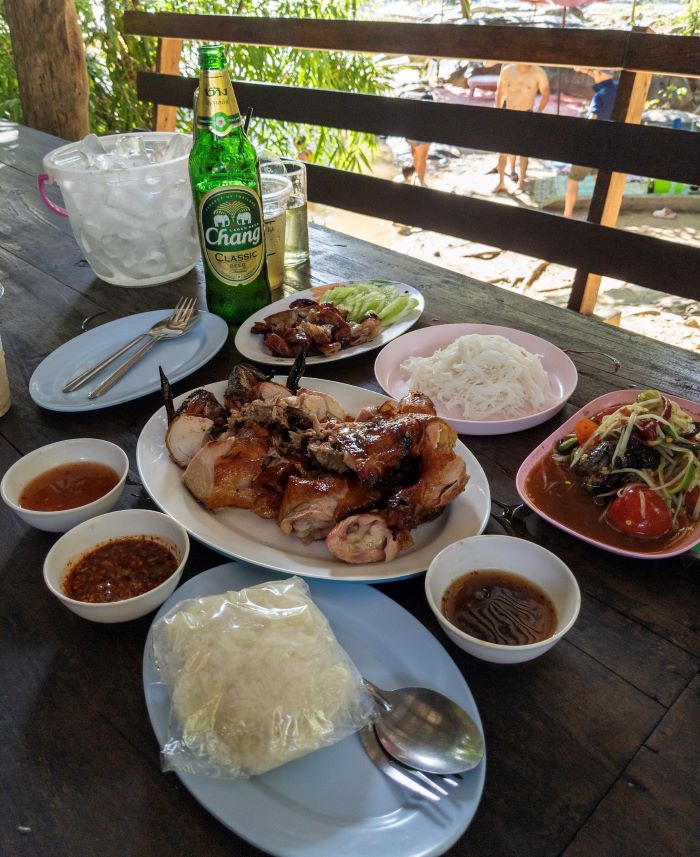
(251, 345)
(562, 373)
(242, 534)
(334, 802)
(179, 357)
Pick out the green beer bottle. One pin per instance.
(226, 186)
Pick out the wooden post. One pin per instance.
(167, 62)
(610, 187)
(47, 44)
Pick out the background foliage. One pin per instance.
(114, 59)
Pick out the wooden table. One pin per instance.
(594, 748)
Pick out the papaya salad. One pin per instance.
(633, 468)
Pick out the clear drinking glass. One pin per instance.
(276, 190)
(296, 242)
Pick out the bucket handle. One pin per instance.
(41, 180)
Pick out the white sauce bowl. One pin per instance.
(55, 455)
(129, 522)
(517, 556)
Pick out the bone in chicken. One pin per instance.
(367, 538)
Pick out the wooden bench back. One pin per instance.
(616, 148)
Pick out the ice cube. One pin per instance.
(155, 182)
(177, 146)
(153, 263)
(180, 242)
(91, 147)
(130, 145)
(120, 250)
(120, 222)
(176, 201)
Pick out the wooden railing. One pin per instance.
(616, 148)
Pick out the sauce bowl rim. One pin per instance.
(48, 515)
(504, 647)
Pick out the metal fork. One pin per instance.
(89, 374)
(419, 783)
(510, 516)
(179, 322)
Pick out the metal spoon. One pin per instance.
(426, 730)
(118, 374)
(158, 328)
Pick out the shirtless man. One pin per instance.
(518, 85)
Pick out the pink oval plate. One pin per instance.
(618, 397)
(426, 341)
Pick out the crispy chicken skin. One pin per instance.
(270, 486)
(313, 504)
(366, 538)
(223, 472)
(380, 451)
(442, 476)
(318, 328)
(414, 402)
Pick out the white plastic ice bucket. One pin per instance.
(135, 226)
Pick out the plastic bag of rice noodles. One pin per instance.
(256, 679)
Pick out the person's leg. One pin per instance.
(571, 197)
(511, 171)
(523, 170)
(420, 161)
(502, 158)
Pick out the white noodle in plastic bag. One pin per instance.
(256, 679)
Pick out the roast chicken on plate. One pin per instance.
(293, 454)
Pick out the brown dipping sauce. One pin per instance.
(118, 569)
(499, 607)
(68, 486)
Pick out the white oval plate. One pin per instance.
(251, 345)
(179, 357)
(334, 802)
(242, 534)
(562, 373)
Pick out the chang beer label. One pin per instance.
(217, 108)
(230, 224)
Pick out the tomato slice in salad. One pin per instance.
(639, 511)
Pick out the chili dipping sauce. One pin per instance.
(119, 569)
(68, 486)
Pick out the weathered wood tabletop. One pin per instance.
(593, 749)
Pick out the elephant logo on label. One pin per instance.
(243, 218)
(222, 220)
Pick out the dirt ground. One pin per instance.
(651, 313)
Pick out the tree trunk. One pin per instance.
(47, 43)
